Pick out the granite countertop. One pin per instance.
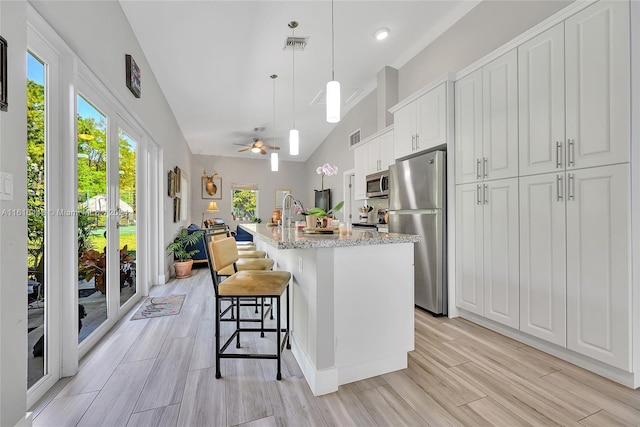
(294, 239)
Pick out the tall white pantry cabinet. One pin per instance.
(567, 209)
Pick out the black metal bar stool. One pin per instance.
(247, 284)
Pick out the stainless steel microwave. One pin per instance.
(378, 184)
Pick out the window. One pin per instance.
(245, 201)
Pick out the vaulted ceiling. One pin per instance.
(213, 60)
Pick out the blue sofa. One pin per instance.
(201, 256)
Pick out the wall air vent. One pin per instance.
(299, 43)
(354, 138)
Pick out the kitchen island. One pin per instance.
(352, 309)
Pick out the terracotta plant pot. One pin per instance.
(183, 268)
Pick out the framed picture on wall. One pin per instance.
(176, 209)
(212, 187)
(178, 179)
(3, 74)
(133, 76)
(171, 184)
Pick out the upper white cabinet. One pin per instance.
(586, 59)
(421, 124)
(486, 121)
(375, 154)
(541, 101)
(598, 85)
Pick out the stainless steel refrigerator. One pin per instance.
(417, 205)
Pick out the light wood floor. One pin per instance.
(160, 372)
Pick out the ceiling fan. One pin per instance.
(257, 147)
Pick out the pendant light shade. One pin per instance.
(294, 142)
(294, 135)
(333, 101)
(333, 87)
(274, 155)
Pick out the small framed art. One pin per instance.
(133, 76)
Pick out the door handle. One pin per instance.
(417, 141)
(558, 154)
(559, 188)
(485, 166)
(484, 194)
(571, 152)
(571, 187)
(413, 142)
(478, 201)
(478, 168)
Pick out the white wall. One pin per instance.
(290, 175)
(13, 228)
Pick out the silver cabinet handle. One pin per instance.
(478, 168)
(559, 186)
(478, 201)
(417, 141)
(558, 154)
(571, 152)
(486, 199)
(413, 142)
(571, 187)
(485, 166)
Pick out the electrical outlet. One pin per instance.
(300, 264)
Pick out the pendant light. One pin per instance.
(294, 135)
(274, 155)
(333, 87)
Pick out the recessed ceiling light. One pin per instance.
(381, 34)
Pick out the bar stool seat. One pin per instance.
(250, 283)
(244, 264)
(251, 254)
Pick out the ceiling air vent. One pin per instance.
(354, 138)
(299, 43)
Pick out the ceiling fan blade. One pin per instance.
(244, 149)
(242, 145)
(262, 151)
(270, 147)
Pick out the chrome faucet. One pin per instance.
(284, 217)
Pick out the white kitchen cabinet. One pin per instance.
(375, 154)
(486, 121)
(487, 248)
(598, 81)
(421, 124)
(541, 101)
(598, 264)
(543, 294)
(590, 52)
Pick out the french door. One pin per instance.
(107, 177)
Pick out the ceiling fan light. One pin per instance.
(294, 142)
(255, 150)
(274, 162)
(333, 101)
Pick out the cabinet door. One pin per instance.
(541, 102)
(404, 125)
(431, 124)
(469, 237)
(598, 264)
(386, 150)
(500, 112)
(598, 81)
(360, 160)
(373, 156)
(501, 248)
(543, 294)
(468, 127)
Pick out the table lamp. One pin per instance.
(213, 207)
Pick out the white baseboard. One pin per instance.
(361, 371)
(26, 421)
(321, 382)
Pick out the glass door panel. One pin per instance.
(127, 226)
(36, 221)
(93, 211)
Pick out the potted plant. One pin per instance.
(182, 257)
(322, 215)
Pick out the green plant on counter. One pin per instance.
(256, 220)
(319, 212)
